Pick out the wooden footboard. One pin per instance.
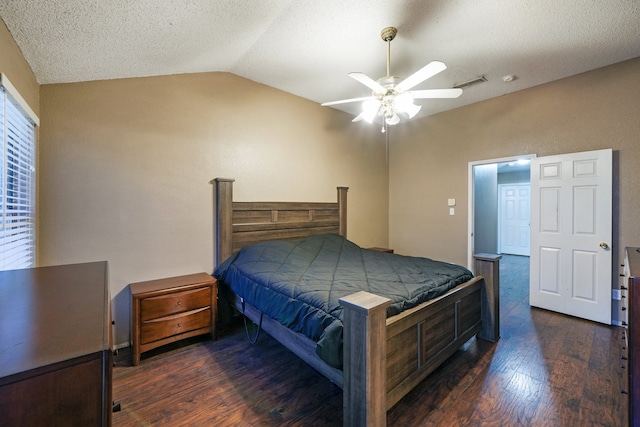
(383, 358)
(412, 344)
(419, 341)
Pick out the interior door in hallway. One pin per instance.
(571, 221)
(514, 219)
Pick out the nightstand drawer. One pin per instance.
(164, 327)
(164, 305)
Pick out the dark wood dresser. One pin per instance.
(632, 276)
(55, 346)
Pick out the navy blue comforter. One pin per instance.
(298, 283)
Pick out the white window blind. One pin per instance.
(17, 185)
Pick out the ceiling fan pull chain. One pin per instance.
(386, 137)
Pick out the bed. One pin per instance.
(383, 357)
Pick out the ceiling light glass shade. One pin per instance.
(403, 104)
(390, 107)
(393, 120)
(370, 109)
(413, 109)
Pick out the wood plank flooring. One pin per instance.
(546, 370)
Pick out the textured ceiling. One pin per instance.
(307, 47)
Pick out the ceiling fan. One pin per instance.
(392, 97)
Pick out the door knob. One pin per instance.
(603, 245)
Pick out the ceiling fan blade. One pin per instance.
(436, 93)
(429, 70)
(368, 82)
(345, 101)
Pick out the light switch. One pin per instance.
(451, 202)
(451, 211)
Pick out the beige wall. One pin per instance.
(429, 157)
(16, 68)
(126, 167)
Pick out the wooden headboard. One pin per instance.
(240, 224)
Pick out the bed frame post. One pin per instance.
(342, 208)
(488, 266)
(365, 359)
(224, 224)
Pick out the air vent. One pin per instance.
(470, 83)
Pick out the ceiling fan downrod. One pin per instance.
(388, 34)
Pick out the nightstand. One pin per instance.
(375, 248)
(168, 310)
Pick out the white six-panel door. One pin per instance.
(571, 221)
(514, 219)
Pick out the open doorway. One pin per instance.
(499, 203)
(570, 259)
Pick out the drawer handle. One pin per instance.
(179, 303)
(178, 325)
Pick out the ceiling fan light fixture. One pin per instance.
(392, 98)
(413, 110)
(391, 107)
(403, 103)
(370, 109)
(393, 120)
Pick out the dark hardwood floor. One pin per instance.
(546, 370)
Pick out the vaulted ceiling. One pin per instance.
(307, 47)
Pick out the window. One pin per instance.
(17, 180)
